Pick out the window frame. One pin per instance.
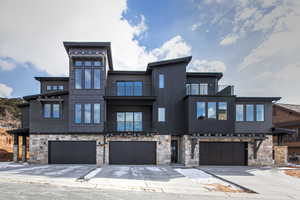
(215, 110)
(252, 119)
(51, 111)
(256, 112)
(243, 112)
(79, 114)
(122, 124)
(161, 118)
(161, 81)
(201, 117)
(226, 110)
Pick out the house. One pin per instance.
(162, 115)
(288, 116)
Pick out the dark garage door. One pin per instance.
(72, 152)
(222, 153)
(132, 153)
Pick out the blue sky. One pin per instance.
(254, 42)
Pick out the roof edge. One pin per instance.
(169, 61)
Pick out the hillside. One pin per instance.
(10, 113)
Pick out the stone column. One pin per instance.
(24, 153)
(281, 155)
(16, 148)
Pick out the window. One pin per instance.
(97, 79)
(129, 121)
(249, 112)
(49, 87)
(201, 113)
(78, 75)
(195, 89)
(97, 63)
(161, 114)
(97, 113)
(56, 110)
(47, 110)
(87, 63)
(222, 111)
(78, 63)
(61, 87)
(87, 113)
(161, 81)
(203, 88)
(54, 87)
(129, 88)
(77, 113)
(239, 112)
(87, 79)
(260, 112)
(211, 110)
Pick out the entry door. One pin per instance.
(174, 151)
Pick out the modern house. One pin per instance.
(161, 115)
(288, 116)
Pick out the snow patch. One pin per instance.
(198, 176)
(154, 169)
(92, 173)
(63, 171)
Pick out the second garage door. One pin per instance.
(72, 152)
(132, 153)
(222, 153)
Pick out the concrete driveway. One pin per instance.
(266, 181)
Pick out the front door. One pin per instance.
(174, 151)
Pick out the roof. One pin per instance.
(259, 99)
(35, 96)
(291, 107)
(168, 62)
(295, 123)
(105, 45)
(51, 78)
(284, 131)
(217, 75)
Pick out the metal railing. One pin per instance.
(141, 90)
(129, 126)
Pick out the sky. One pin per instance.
(255, 43)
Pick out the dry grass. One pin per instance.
(293, 172)
(217, 187)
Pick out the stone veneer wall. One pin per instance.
(38, 147)
(163, 146)
(264, 153)
(281, 155)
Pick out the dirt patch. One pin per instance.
(217, 187)
(293, 172)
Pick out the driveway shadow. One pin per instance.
(231, 170)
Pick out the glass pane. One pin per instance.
(260, 112)
(97, 113)
(78, 63)
(138, 116)
(120, 116)
(222, 110)
(188, 89)
(120, 126)
(87, 63)
(97, 63)
(161, 81)
(49, 87)
(54, 87)
(61, 87)
(87, 113)
(129, 116)
(161, 114)
(77, 113)
(249, 112)
(87, 78)
(120, 89)
(97, 75)
(78, 73)
(239, 112)
(128, 88)
(138, 126)
(138, 87)
(56, 111)
(129, 126)
(203, 89)
(195, 89)
(201, 113)
(47, 110)
(211, 110)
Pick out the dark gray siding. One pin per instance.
(170, 97)
(256, 127)
(209, 125)
(45, 83)
(25, 116)
(212, 83)
(113, 78)
(39, 124)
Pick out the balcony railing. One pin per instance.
(203, 89)
(140, 90)
(129, 126)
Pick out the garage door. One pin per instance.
(72, 152)
(132, 153)
(222, 153)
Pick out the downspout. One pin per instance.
(104, 144)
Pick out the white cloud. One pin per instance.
(6, 66)
(196, 26)
(5, 91)
(33, 31)
(206, 66)
(229, 39)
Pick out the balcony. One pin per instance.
(129, 127)
(205, 89)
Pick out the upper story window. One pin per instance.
(129, 121)
(129, 88)
(222, 111)
(197, 89)
(51, 110)
(78, 78)
(201, 110)
(239, 112)
(87, 78)
(91, 113)
(249, 112)
(260, 112)
(77, 113)
(161, 114)
(78, 63)
(211, 110)
(89, 63)
(161, 81)
(54, 87)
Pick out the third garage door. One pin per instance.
(132, 153)
(222, 153)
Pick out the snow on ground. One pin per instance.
(154, 169)
(92, 173)
(4, 165)
(62, 171)
(199, 176)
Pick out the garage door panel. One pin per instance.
(222, 153)
(72, 152)
(134, 153)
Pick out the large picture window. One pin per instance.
(129, 88)
(129, 121)
(51, 110)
